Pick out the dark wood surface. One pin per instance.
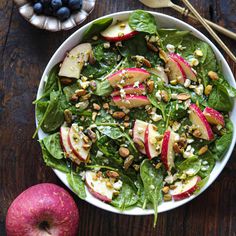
(24, 53)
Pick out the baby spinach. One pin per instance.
(59, 164)
(143, 21)
(77, 184)
(96, 27)
(219, 99)
(70, 90)
(153, 183)
(103, 88)
(201, 184)
(191, 166)
(209, 157)
(128, 195)
(177, 110)
(53, 145)
(111, 132)
(41, 108)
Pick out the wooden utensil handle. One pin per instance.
(219, 28)
(209, 29)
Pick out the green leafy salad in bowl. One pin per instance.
(137, 113)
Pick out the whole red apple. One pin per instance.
(43, 209)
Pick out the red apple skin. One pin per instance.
(98, 195)
(187, 193)
(121, 38)
(164, 149)
(214, 117)
(40, 203)
(185, 66)
(194, 108)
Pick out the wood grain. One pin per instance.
(25, 52)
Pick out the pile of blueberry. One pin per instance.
(61, 9)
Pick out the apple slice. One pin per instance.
(118, 32)
(160, 72)
(167, 152)
(74, 61)
(150, 141)
(128, 77)
(64, 131)
(97, 187)
(190, 74)
(175, 71)
(130, 89)
(197, 118)
(139, 133)
(214, 117)
(131, 101)
(76, 140)
(185, 190)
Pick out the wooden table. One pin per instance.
(25, 51)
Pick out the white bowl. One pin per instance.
(167, 22)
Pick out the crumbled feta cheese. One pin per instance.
(204, 168)
(152, 186)
(190, 172)
(170, 48)
(119, 44)
(122, 93)
(170, 178)
(158, 95)
(136, 84)
(117, 185)
(180, 47)
(99, 154)
(187, 83)
(189, 140)
(82, 174)
(106, 45)
(219, 127)
(199, 89)
(204, 163)
(174, 96)
(155, 117)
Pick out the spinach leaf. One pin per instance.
(201, 184)
(191, 166)
(111, 132)
(206, 169)
(53, 145)
(103, 88)
(177, 110)
(52, 162)
(41, 108)
(219, 99)
(153, 183)
(54, 115)
(77, 184)
(70, 90)
(128, 195)
(143, 21)
(96, 27)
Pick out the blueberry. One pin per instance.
(75, 4)
(63, 13)
(38, 8)
(56, 4)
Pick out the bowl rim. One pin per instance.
(219, 165)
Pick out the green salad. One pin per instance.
(137, 113)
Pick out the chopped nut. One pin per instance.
(172, 186)
(164, 96)
(86, 139)
(165, 189)
(163, 56)
(85, 97)
(198, 53)
(158, 165)
(203, 150)
(92, 135)
(213, 75)
(109, 185)
(126, 124)
(146, 62)
(128, 161)
(86, 146)
(74, 98)
(66, 81)
(94, 115)
(80, 92)
(112, 174)
(197, 133)
(176, 148)
(150, 86)
(91, 59)
(126, 118)
(152, 47)
(183, 96)
(118, 114)
(208, 89)
(139, 143)
(96, 107)
(68, 116)
(99, 174)
(105, 106)
(167, 197)
(136, 167)
(174, 82)
(124, 152)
